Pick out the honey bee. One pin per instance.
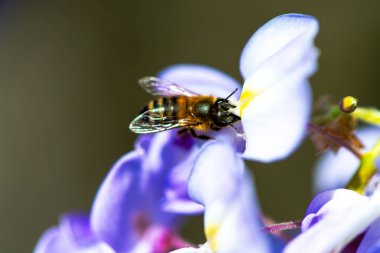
(177, 107)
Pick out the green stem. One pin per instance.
(368, 115)
(366, 170)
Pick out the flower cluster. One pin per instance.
(149, 192)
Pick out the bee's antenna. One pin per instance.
(232, 93)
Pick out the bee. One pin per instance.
(177, 107)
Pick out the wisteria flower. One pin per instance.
(343, 220)
(142, 202)
(275, 102)
(232, 217)
(340, 221)
(73, 234)
(138, 206)
(274, 107)
(275, 74)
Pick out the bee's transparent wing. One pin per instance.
(152, 121)
(164, 88)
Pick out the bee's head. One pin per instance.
(221, 113)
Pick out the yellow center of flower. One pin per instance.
(245, 98)
(211, 231)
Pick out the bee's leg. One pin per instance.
(202, 137)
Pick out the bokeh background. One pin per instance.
(68, 91)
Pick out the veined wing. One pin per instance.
(152, 121)
(160, 87)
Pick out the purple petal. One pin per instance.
(371, 238)
(223, 186)
(167, 149)
(329, 202)
(76, 226)
(281, 45)
(375, 248)
(343, 218)
(142, 188)
(335, 170)
(176, 196)
(167, 165)
(143, 142)
(202, 79)
(59, 240)
(114, 215)
(275, 121)
(52, 242)
(320, 200)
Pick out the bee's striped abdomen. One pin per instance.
(167, 107)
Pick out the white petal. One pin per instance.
(275, 121)
(281, 43)
(220, 182)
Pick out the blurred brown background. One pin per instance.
(68, 91)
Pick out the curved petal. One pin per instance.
(55, 240)
(176, 196)
(374, 249)
(320, 200)
(133, 195)
(208, 166)
(202, 79)
(167, 165)
(339, 225)
(51, 241)
(334, 170)
(329, 202)
(280, 45)
(371, 239)
(114, 215)
(276, 99)
(168, 149)
(275, 121)
(232, 220)
(76, 226)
